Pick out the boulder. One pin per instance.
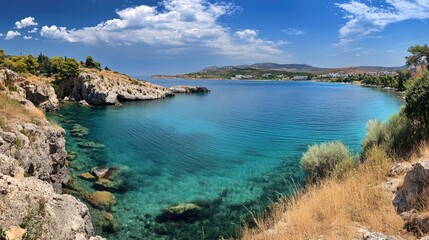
(186, 212)
(90, 145)
(15, 233)
(107, 222)
(101, 199)
(87, 176)
(109, 185)
(416, 183)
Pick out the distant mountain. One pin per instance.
(301, 68)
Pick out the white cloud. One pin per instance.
(27, 37)
(34, 30)
(173, 26)
(363, 19)
(293, 31)
(12, 34)
(1, 34)
(26, 22)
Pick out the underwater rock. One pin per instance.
(107, 222)
(87, 176)
(102, 172)
(186, 212)
(71, 156)
(101, 199)
(90, 145)
(108, 185)
(79, 131)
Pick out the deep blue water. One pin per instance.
(234, 149)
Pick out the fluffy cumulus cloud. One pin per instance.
(363, 19)
(27, 37)
(12, 34)
(34, 30)
(176, 25)
(26, 22)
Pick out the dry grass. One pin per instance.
(12, 109)
(335, 209)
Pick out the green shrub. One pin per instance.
(2, 233)
(377, 134)
(35, 221)
(404, 136)
(343, 168)
(320, 160)
(2, 122)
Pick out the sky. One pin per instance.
(144, 37)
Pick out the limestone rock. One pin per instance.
(108, 88)
(377, 236)
(101, 199)
(87, 176)
(41, 94)
(187, 212)
(37, 148)
(189, 89)
(415, 183)
(67, 217)
(15, 233)
(398, 169)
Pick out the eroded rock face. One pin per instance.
(413, 189)
(41, 94)
(66, 217)
(37, 148)
(109, 89)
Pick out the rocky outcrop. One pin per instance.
(32, 204)
(41, 94)
(189, 89)
(105, 87)
(415, 188)
(38, 148)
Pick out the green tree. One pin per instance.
(65, 68)
(16, 63)
(417, 102)
(419, 56)
(32, 64)
(403, 77)
(90, 63)
(1, 56)
(44, 64)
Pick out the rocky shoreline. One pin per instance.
(33, 158)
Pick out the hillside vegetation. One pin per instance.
(348, 199)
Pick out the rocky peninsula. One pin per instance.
(33, 158)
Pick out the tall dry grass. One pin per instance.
(12, 109)
(335, 209)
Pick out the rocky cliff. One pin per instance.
(106, 87)
(33, 166)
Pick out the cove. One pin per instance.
(232, 151)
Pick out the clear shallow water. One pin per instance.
(234, 149)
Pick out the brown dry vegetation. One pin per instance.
(12, 109)
(336, 209)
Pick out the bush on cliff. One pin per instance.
(321, 160)
(377, 134)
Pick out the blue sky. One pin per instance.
(142, 37)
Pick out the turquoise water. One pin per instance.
(232, 151)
